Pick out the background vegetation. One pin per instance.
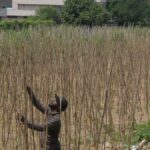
(24, 24)
(84, 12)
(88, 13)
(49, 13)
(103, 72)
(130, 12)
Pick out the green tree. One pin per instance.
(49, 13)
(84, 12)
(130, 12)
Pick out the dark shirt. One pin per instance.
(52, 127)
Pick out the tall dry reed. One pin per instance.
(103, 72)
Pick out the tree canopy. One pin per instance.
(92, 13)
(84, 12)
(130, 12)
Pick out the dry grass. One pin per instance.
(103, 72)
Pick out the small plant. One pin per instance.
(141, 131)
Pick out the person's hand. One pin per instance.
(57, 98)
(29, 89)
(20, 118)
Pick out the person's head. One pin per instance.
(59, 104)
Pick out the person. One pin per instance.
(53, 125)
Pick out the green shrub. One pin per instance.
(25, 23)
(49, 13)
(141, 131)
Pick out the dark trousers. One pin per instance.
(53, 147)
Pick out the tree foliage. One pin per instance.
(49, 13)
(130, 12)
(84, 12)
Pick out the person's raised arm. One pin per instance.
(35, 101)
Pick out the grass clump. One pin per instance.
(141, 131)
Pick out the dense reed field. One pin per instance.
(103, 72)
